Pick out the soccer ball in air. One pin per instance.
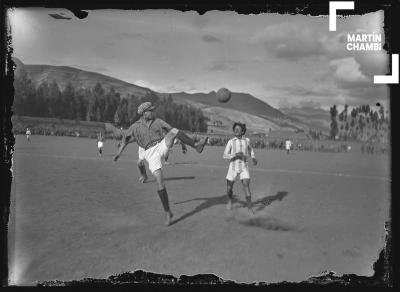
(223, 95)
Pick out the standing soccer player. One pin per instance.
(156, 136)
(28, 134)
(238, 150)
(288, 144)
(100, 143)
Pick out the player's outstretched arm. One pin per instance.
(120, 150)
(124, 142)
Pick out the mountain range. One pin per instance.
(259, 116)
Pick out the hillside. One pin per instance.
(259, 116)
(239, 101)
(315, 118)
(78, 78)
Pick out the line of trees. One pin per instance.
(363, 123)
(98, 104)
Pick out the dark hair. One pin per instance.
(243, 126)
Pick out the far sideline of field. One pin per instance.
(216, 166)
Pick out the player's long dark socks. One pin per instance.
(230, 198)
(164, 199)
(230, 194)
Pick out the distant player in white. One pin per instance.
(28, 134)
(238, 150)
(288, 144)
(100, 144)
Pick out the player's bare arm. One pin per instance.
(124, 142)
(253, 157)
(120, 150)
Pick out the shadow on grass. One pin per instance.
(184, 162)
(267, 223)
(179, 178)
(207, 203)
(149, 180)
(222, 200)
(266, 201)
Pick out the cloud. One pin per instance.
(284, 103)
(298, 90)
(309, 104)
(354, 87)
(170, 88)
(220, 66)
(144, 83)
(290, 41)
(184, 88)
(346, 72)
(294, 41)
(104, 46)
(210, 39)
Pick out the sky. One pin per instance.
(284, 60)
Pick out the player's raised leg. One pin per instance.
(175, 133)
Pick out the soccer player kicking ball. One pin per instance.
(156, 136)
(237, 151)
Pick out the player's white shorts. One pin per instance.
(242, 172)
(99, 144)
(154, 155)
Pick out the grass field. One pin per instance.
(75, 215)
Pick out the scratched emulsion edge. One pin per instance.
(383, 272)
(7, 139)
